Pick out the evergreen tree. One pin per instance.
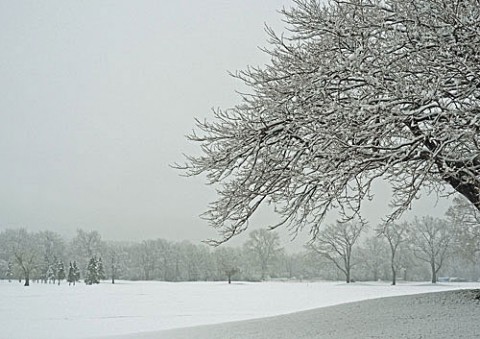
(92, 272)
(60, 271)
(76, 272)
(51, 274)
(100, 270)
(71, 275)
(9, 273)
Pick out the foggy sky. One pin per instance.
(96, 99)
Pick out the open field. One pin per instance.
(50, 311)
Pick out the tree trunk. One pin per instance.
(468, 190)
(434, 273)
(347, 266)
(394, 271)
(394, 276)
(27, 279)
(113, 271)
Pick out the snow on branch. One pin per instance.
(355, 91)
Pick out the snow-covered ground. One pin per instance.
(441, 315)
(51, 311)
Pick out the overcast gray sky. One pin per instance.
(96, 99)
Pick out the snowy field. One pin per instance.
(51, 311)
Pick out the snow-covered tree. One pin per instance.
(24, 250)
(396, 235)
(60, 271)
(51, 274)
(372, 258)
(115, 253)
(71, 275)
(147, 257)
(264, 246)
(45, 271)
(165, 259)
(100, 269)
(9, 272)
(336, 242)
(356, 91)
(228, 262)
(85, 245)
(53, 251)
(76, 272)
(197, 261)
(466, 221)
(92, 272)
(431, 239)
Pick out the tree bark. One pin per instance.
(27, 278)
(434, 273)
(469, 191)
(394, 271)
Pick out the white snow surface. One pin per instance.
(52, 311)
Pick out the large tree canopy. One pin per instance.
(356, 90)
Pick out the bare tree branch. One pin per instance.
(355, 91)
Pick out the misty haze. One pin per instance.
(240, 169)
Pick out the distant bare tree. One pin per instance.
(25, 250)
(431, 238)
(396, 235)
(86, 245)
(116, 255)
(89, 243)
(373, 253)
(265, 246)
(53, 251)
(228, 261)
(466, 221)
(336, 243)
(147, 256)
(197, 261)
